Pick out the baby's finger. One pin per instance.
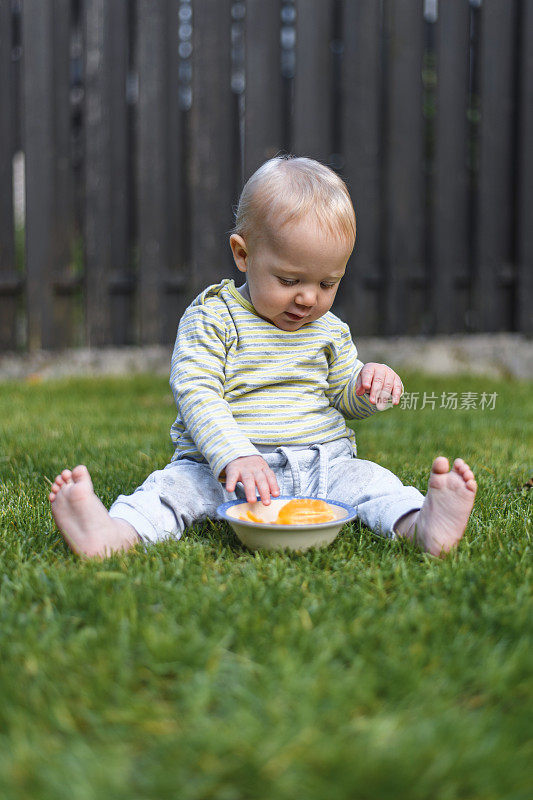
(263, 487)
(388, 384)
(231, 479)
(248, 481)
(377, 384)
(397, 391)
(272, 482)
(367, 375)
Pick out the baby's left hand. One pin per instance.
(381, 383)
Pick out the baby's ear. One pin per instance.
(240, 251)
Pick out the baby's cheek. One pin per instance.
(280, 298)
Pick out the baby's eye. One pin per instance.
(285, 282)
(327, 285)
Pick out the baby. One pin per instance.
(264, 377)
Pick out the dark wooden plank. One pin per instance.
(312, 124)
(51, 286)
(450, 210)
(524, 311)
(404, 186)
(97, 210)
(152, 170)
(106, 182)
(9, 286)
(16, 8)
(66, 281)
(39, 147)
(263, 134)
(494, 277)
(213, 162)
(359, 301)
(122, 278)
(178, 228)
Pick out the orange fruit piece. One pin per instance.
(251, 518)
(304, 511)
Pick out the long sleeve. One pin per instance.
(343, 371)
(197, 380)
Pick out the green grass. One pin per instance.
(196, 669)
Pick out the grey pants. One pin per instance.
(184, 492)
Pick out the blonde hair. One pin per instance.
(287, 188)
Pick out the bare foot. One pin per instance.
(441, 522)
(83, 519)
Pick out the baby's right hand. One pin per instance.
(252, 471)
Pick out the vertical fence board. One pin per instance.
(312, 127)
(17, 89)
(525, 175)
(361, 134)
(213, 168)
(67, 284)
(404, 185)
(160, 173)
(10, 283)
(493, 246)
(98, 216)
(178, 227)
(121, 278)
(40, 152)
(153, 153)
(263, 136)
(106, 226)
(450, 209)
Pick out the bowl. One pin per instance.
(267, 536)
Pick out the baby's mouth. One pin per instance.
(295, 316)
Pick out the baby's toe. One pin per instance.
(66, 475)
(440, 465)
(462, 469)
(80, 473)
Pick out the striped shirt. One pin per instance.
(239, 381)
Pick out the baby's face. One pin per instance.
(293, 276)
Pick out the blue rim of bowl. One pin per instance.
(352, 513)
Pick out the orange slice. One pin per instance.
(251, 518)
(304, 511)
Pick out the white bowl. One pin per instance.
(267, 536)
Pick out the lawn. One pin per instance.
(197, 670)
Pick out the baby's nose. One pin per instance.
(306, 297)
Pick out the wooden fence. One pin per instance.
(137, 123)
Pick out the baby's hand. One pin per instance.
(252, 471)
(381, 383)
